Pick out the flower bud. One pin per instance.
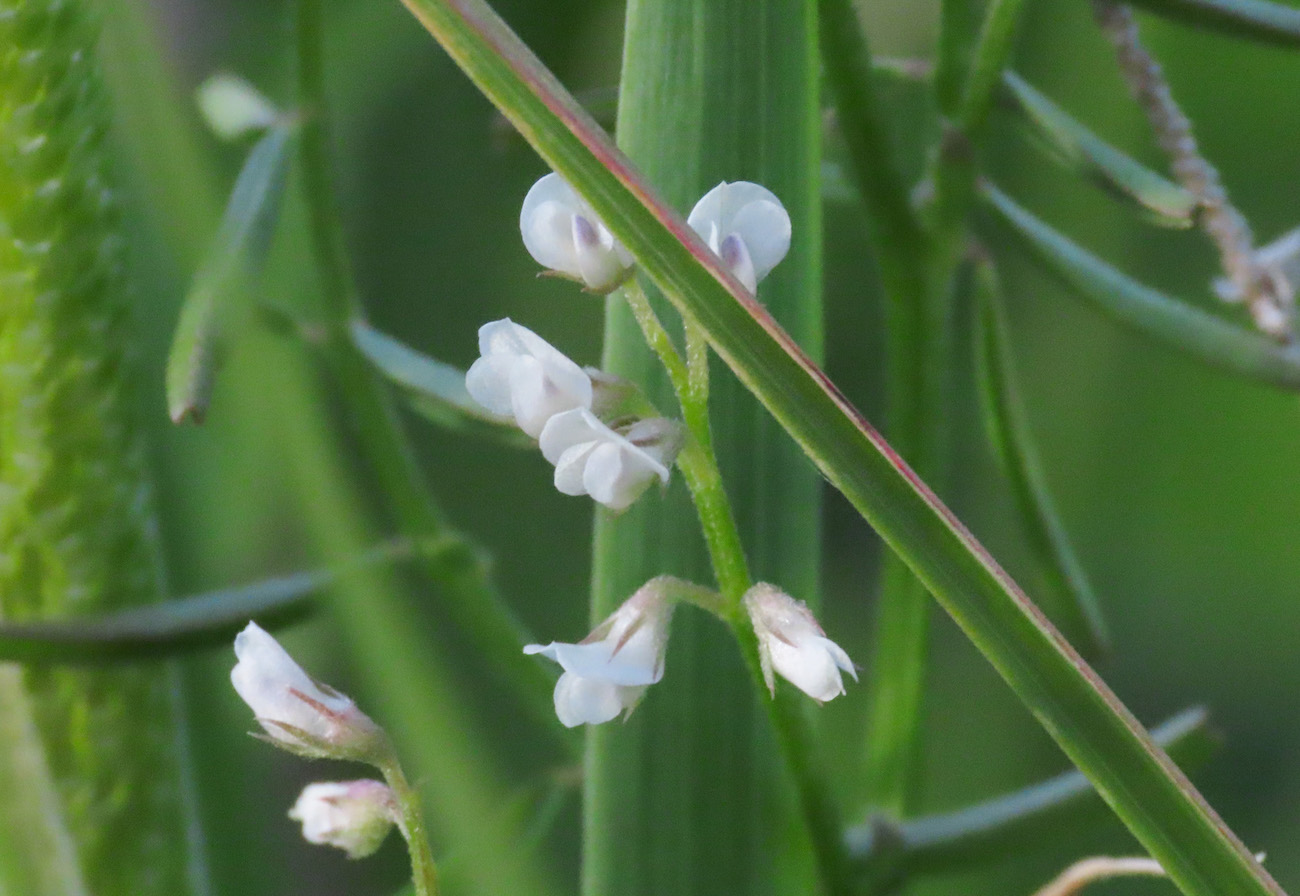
(746, 226)
(608, 671)
(232, 107)
(354, 816)
(564, 235)
(793, 645)
(522, 375)
(298, 714)
(613, 467)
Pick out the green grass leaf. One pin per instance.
(214, 306)
(1069, 598)
(1258, 20)
(1163, 318)
(1163, 201)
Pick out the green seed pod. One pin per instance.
(76, 526)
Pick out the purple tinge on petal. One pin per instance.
(764, 226)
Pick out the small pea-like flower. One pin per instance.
(613, 467)
(608, 672)
(298, 714)
(564, 235)
(521, 375)
(1279, 265)
(354, 816)
(793, 645)
(746, 226)
(232, 107)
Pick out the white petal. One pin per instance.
(706, 217)
(735, 256)
(571, 467)
(616, 475)
(637, 662)
(523, 375)
(545, 222)
(764, 227)
(600, 267)
(567, 429)
(488, 383)
(809, 667)
(585, 701)
(270, 682)
(562, 233)
(749, 211)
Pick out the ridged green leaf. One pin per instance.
(1068, 596)
(1167, 320)
(1258, 20)
(76, 521)
(216, 302)
(1163, 201)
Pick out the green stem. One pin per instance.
(424, 873)
(1039, 816)
(466, 596)
(919, 343)
(658, 339)
(915, 325)
(703, 478)
(697, 362)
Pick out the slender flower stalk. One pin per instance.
(1088, 871)
(1267, 295)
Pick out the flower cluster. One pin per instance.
(313, 720)
(521, 375)
(606, 673)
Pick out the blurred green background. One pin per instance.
(1178, 484)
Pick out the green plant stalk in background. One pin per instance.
(76, 518)
(682, 798)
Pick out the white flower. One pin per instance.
(590, 458)
(609, 670)
(791, 643)
(354, 816)
(746, 226)
(1279, 264)
(232, 107)
(522, 375)
(563, 234)
(297, 713)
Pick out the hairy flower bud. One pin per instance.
(298, 714)
(354, 816)
(793, 645)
